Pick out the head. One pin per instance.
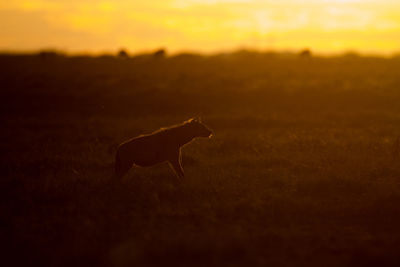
(198, 128)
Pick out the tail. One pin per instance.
(112, 148)
(118, 166)
(121, 166)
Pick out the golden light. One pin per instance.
(202, 25)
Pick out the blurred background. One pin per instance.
(97, 26)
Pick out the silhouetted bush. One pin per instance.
(161, 53)
(123, 53)
(305, 53)
(50, 54)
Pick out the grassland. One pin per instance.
(303, 170)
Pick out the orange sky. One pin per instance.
(200, 25)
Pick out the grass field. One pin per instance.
(303, 170)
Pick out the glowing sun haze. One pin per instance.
(200, 25)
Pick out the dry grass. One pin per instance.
(303, 169)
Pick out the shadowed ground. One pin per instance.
(303, 170)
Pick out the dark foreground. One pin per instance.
(303, 170)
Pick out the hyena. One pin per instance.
(160, 146)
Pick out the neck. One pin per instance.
(183, 134)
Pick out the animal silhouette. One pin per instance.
(160, 146)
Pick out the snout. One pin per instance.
(210, 134)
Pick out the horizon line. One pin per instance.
(197, 52)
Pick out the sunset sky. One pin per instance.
(327, 26)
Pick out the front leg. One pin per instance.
(176, 164)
